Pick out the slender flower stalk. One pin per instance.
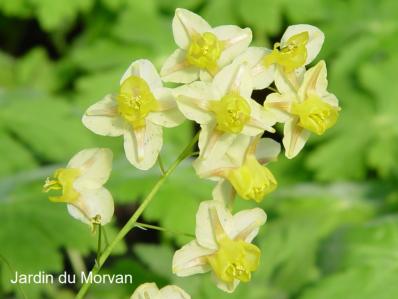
(131, 223)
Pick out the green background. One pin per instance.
(333, 228)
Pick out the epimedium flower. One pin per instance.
(151, 291)
(203, 50)
(222, 245)
(299, 46)
(80, 186)
(138, 112)
(307, 108)
(224, 109)
(243, 168)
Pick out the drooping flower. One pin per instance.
(151, 291)
(299, 46)
(80, 186)
(307, 108)
(224, 109)
(222, 245)
(242, 166)
(203, 50)
(138, 112)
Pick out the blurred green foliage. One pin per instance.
(332, 229)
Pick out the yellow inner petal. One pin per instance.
(292, 56)
(204, 51)
(252, 181)
(234, 259)
(62, 181)
(232, 113)
(315, 115)
(135, 101)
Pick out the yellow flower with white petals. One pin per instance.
(242, 167)
(138, 112)
(151, 291)
(203, 50)
(80, 186)
(305, 108)
(299, 46)
(224, 109)
(222, 245)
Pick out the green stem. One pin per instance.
(133, 219)
(99, 243)
(162, 229)
(8, 265)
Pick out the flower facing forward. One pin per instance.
(222, 245)
(224, 110)
(299, 46)
(203, 50)
(305, 109)
(243, 167)
(138, 112)
(80, 185)
(151, 291)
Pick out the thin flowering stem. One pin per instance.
(99, 242)
(145, 226)
(131, 223)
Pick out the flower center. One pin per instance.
(204, 51)
(235, 259)
(315, 115)
(252, 180)
(62, 180)
(232, 113)
(135, 101)
(291, 56)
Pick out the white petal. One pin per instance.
(173, 292)
(331, 99)
(192, 101)
(315, 81)
(315, 41)
(146, 291)
(294, 138)
(93, 203)
(261, 77)
(186, 24)
(214, 169)
(261, 119)
(212, 220)
(234, 78)
(103, 118)
(142, 146)
(191, 259)
(279, 105)
(213, 144)
(286, 82)
(226, 287)
(235, 39)
(169, 115)
(246, 224)
(267, 150)
(225, 193)
(176, 69)
(95, 165)
(144, 69)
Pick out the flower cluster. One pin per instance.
(217, 73)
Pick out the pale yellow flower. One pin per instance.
(222, 245)
(80, 185)
(203, 50)
(151, 291)
(303, 108)
(138, 112)
(224, 109)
